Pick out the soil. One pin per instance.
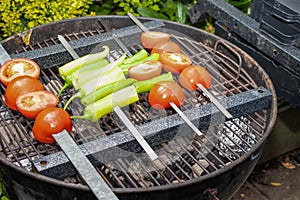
(277, 179)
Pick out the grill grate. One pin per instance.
(179, 160)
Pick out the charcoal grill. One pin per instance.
(189, 167)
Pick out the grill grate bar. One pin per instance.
(199, 157)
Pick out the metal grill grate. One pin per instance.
(179, 160)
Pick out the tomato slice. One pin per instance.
(162, 93)
(174, 62)
(18, 86)
(192, 75)
(145, 70)
(32, 103)
(16, 67)
(166, 47)
(151, 38)
(50, 121)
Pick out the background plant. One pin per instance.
(19, 15)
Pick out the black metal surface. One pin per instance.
(240, 27)
(188, 166)
(156, 132)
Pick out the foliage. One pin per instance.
(19, 15)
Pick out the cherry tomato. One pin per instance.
(174, 62)
(151, 38)
(166, 47)
(18, 67)
(18, 86)
(145, 70)
(50, 121)
(32, 103)
(192, 75)
(162, 93)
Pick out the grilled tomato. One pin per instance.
(32, 103)
(18, 86)
(50, 121)
(16, 67)
(162, 93)
(192, 75)
(174, 62)
(166, 47)
(151, 38)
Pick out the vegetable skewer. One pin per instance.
(172, 104)
(133, 130)
(203, 89)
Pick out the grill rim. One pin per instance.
(272, 119)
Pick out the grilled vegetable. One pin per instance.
(84, 60)
(146, 85)
(151, 38)
(106, 90)
(16, 67)
(92, 66)
(145, 70)
(121, 98)
(32, 103)
(162, 93)
(18, 86)
(142, 54)
(79, 79)
(125, 67)
(106, 78)
(50, 121)
(175, 62)
(192, 75)
(166, 47)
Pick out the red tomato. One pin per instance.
(32, 103)
(18, 86)
(162, 93)
(174, 62)
(192, 75)
(166, 47)
(50, 121)
(18, 67)
(151, 38)
(145, 70)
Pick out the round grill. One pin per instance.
(186, 163)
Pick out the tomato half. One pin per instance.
(145, 70)
(151, 38)
(18, 67)
(50, 121)
(192, 75)
(32, 103)
(18, 86)
(174, 62)
(162, 93)
(166, 47)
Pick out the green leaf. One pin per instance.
(148, 12)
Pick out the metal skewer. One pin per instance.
(200, 86)
(85, 168)
(172, 104)
(119, 111)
